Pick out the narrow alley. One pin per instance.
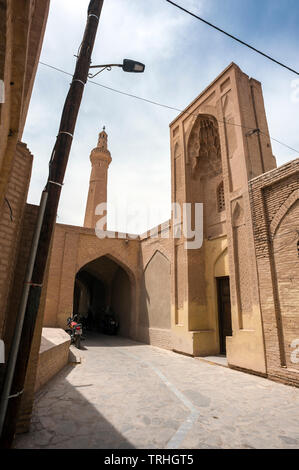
(128, 395)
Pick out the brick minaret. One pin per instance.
(100, 160)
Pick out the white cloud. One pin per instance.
(182, 57)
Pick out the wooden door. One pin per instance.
(224, 311)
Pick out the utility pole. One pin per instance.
(20, 349)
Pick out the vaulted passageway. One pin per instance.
(103, 286)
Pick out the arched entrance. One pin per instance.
(103, 285)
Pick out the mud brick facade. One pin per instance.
(237, 294)
(11, 223)
(234, 295)
(22, 27)
(274, 200)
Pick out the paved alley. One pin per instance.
(127, 395)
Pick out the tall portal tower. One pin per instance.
(100, 160)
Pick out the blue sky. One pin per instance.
(182, 57)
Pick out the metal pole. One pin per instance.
(21, 314)
(58, 165)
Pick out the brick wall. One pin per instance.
(274, 199)
(49, 354)
(30, 218)
(11, 220)
(21, 241)
(22, 28)
(53, 354)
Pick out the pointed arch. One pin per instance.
(116, 260)
(294, 196)
(204, 151)
(238, 213)
(204, 111)
(111, 287)
(153, 255)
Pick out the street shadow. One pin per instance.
(64, 419)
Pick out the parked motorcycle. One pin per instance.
(109, 325)
(74, 329)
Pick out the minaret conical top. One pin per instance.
(103, 140)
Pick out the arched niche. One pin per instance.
(204, 147)
(293, 197)
(155, 293)
(204, 172)
(286, 262)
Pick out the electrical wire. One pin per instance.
(170, 107)
(117, 91)
(232, 37)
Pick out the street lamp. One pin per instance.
(128, 65)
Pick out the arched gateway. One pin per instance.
(103, 286)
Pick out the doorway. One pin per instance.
(224, 311)
(102, 286)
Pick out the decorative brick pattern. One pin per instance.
(274, 202)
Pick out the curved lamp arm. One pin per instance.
(128, 65)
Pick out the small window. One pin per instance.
(220, 197)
